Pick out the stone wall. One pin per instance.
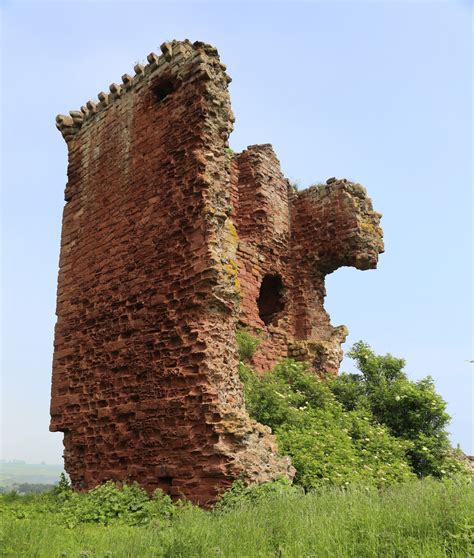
(169, 241)
(288, 242)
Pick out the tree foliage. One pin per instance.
(373, 428)
(327, 444)
(412, 411)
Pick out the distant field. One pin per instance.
(17, 472)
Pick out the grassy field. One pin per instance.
(426, 519)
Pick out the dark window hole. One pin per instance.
(270, 301)
(164, 88)
(165, 484)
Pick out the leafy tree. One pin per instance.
(327, 444)
(376, 427)
(412, 411)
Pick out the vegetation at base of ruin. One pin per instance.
(373, 428)
(240, 494)
(425, 518)
(376, 476)
(107, 503)
(326, 443)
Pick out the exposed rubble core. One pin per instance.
(169, 240)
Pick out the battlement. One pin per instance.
(180, 62)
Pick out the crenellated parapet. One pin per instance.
(179, 62)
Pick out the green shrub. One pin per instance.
(63, 489)
(327, 444)
(108, 502)
(376, 427)
(247, 344)
(412, 411)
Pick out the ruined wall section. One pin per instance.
(261, 214)
(145, 383)
(298, 237)
(334, 225)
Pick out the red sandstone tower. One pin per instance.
(169, 241)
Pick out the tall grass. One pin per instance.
(428, 519)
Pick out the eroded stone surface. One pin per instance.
(298, 237)
(169, 241)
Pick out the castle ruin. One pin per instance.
(170, 241)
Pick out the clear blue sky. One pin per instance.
(378, 92)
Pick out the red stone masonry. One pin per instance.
(168, 243)
(288, 242)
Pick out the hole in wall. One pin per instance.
(270, 300)
(163, 88)
(165, 484)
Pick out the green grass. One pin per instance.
(425, 518)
